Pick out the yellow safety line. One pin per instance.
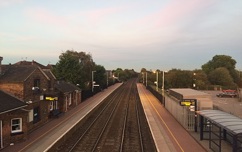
(165, 124)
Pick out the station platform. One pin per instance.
(168, 134)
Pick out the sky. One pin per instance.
(127, 34)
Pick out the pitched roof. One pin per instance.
(51, 66)
(18, 73)
(66, 87)
(9, 103)
(49, 73)
(30, 63)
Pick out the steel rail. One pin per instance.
(109, 103)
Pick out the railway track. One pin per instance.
(118, 124)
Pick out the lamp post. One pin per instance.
(107, 79)
(163, 87)
(163, 82)
(157, 80)
(92, 80)
(194, 80)
(143, 77)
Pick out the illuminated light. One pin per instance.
(188, 102)
(192, 108)
(51, 98)
(185, 103)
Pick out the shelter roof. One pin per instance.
(225, 120)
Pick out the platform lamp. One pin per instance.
(92, 80)
(163, 86)
(194, 80)
(157, 79)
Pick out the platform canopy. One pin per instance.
(225, 120)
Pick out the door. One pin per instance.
(1, 135)
(36, 115)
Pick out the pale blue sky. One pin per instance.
(154, 34)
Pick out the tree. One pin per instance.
(75, 67)
(221, 76)
(219, 61)
(177, 78)
(124, 75)
(142, 75)
(143, 70)
(100, 76)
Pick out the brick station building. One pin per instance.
(13, 119)
(35, 87)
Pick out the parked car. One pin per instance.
(227, 94)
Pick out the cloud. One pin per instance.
(6, 3)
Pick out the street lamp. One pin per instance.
(163, 86)
(194, 80)
(92, 80)
(157, 80)
(107, 78)
(143, 76)
(163, 81)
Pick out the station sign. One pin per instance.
(51, 98)
(188, 102)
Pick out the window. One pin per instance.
(70, 99)
(51, 105)
(16, 125)
(49, 85)
(37, 83)
(36, 115)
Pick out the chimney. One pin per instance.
(1, 58)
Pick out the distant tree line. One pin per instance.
(77, 68)
(217, 73)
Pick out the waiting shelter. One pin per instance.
(216, 125)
